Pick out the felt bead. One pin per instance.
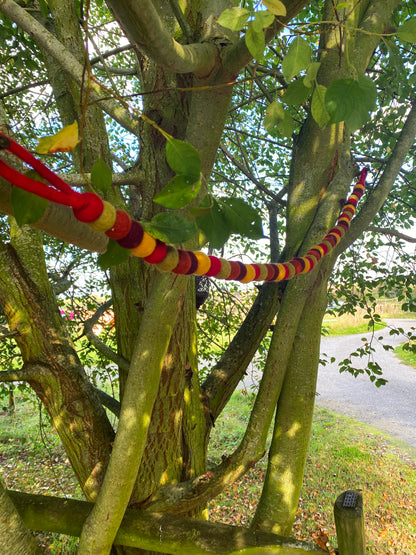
(170, 261)
(106, 220)
(184, 262)
(324, 247)
(316, 252)
(225, 269)
(272, 271)
(250, 274)
(90, 210)
(299, 264)
(291, 270)
(134, 236)
(146, 246)
(263, 272)
(204, 263)
(121, 226)
(308, 265)
(281, 272)
(312, 262)
(194, 263)
(238, 270)
(215, 266)
(158, 254)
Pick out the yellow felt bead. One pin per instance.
(170, 261)
(251, 272)
(107, 218)
(146, 247)
(281, 273)
(307, 265)
(204, 263)
(225, 269)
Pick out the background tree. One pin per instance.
(329, 91)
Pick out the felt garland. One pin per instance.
(116, 224)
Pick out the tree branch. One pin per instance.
(392, 232)
(68, 63)
(98, 344)
(378, 195)
(109, 402)
(145, 29)
(21, 375)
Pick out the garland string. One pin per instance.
(116, 224)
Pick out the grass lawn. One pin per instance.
(344, 454)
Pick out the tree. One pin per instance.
(185, 73)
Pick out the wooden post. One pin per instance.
(349, 522)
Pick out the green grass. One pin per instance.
(344, 454)
(406, 356)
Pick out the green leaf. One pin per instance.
(298, 57)
(255, 41)
(343, 5)
(318, 108)
(115, 254)
(203, 207)
(296, 93)
(262, 20)
(101, 176)
(242, 218)
(351, 101)
(27, 207)
(311, 73)
(407, 31)
(183, 158)
(275, 6)
(170, 228)
(277, 116)
(180, 191)
(234, 18)
(215, 226)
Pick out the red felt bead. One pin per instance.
(121, 226)
(215, 266)
(90, 210)
(158, 254)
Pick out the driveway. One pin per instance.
(390, 408)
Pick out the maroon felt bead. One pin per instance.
(299, 264)
(272, 271)
(134, 236)
(194, 263)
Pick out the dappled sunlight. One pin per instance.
(287, 487)
(294, 429)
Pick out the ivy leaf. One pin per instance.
(298, 57)
(351, 100)
(180, 191)
(234, 18)
(63, 141)
(407, 31)
(242, 218)
(296, 93)
(170, 228)
(27, 207)
(101, 176)
(255, 41)
(183, 158)
(275, 6)
(318, 108)
(262, 20)
(277, 116)
(311, 73)
(214, 226)
(115, 254)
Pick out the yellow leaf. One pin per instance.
(275, 6)
(63, 141)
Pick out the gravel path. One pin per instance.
(390, 408)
